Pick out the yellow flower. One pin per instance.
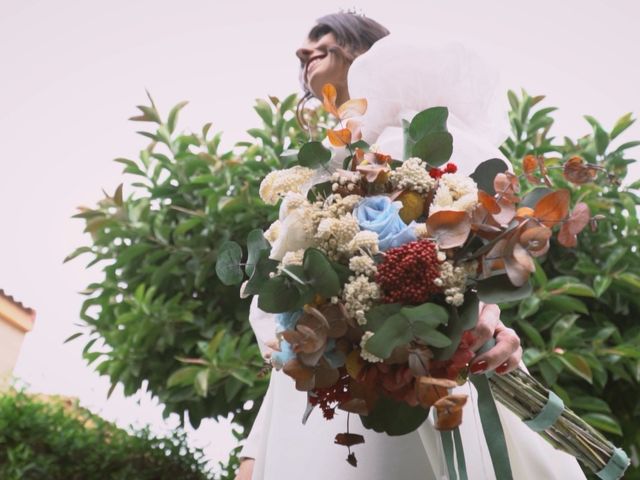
(412, 206)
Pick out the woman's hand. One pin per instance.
(507, 352)
(245, 472)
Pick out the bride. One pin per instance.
(361, 60)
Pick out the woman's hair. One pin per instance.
(354, 33)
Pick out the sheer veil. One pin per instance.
(400, 76)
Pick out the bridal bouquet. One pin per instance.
(376, 271)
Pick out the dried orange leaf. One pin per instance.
(339, 138)
(519, 265)
(576, 171)
(349, 439)
(302, 375)
(488, 202)
(553, 207)
(352, 108)
(449, 228)
(449, 411)
(577, 221)
(535, 239)
(529, 164)
(329, 96)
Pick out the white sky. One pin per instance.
(71, 72)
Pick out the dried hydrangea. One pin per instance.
(362, 265)
(335, 234)
(293, 258)
(364, 353)
(453, 279)
(273, 232)
(358, 295)
(455, 192)
(364, 241)
(280, 182)
(412, 175)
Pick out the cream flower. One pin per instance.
(280, 182)
(455, 192)
(412, 175)
(362, 265)
(366, 355)
(358, 295)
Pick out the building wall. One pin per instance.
(10, 342)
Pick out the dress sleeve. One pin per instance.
(255, 441)
(263, 325)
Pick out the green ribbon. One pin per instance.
(548, 415)
(616, 467)
(452, 446)
(492, 428)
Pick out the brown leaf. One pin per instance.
(529, 164)
(488, 202)
(339, 138)
(553, 207)
(336, 317)
(449, 228)
(507, 186)
(356, 131)
(576, 171)
(519, 265)
(326, 375)
(535, 239)
(302, 375)
(429, 390)
(418, 360)
(577, 221)
(449, 411)
(507, 211)
(352, 460)
(349, 439)
(352, 108)
(374, 173)
(329, 96)
(355, 405)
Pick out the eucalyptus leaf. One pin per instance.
(228, 264)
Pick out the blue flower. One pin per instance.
(379, 214)
(285, 321)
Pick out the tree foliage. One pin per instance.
(54, 439)
(159, 318)
(580, 325)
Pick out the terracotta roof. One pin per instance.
(16, 312)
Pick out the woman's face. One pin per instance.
(323, 61)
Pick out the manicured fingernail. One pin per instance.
(502, 368)
(479, 367)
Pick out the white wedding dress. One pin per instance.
(399, 79)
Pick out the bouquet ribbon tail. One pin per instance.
(453, 451)
(616, 467)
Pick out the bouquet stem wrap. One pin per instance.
(545, 413)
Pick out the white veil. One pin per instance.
(399, 78)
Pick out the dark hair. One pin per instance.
(354, 33)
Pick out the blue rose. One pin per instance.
(379, 214)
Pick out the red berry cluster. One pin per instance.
(329, 398)
(438, 172)
(407, 273)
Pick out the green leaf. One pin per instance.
(264, 110)
(430, 120)
(621, 125)
(565, 303)
(77, 252)
(201, 382)
(435, 148)
(532, 333)
(173, 116)
(430, 336)
(513, 100)
(529, 306)
(183, 376)
(187, 225)
(590, 403)
(428, 314)
(486, 172)
(256, 244)
(394, 417)
(630, 279)
(278, 295)
(379, 314)
(73, 337)
(228, 263)
(321, 275)
(577, 365)
(601, 139)
(499, 289)
(261, 272)
(393, 333)
(614, 257)
(460, 319)
(313, 154)
(603, 422)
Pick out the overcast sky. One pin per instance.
(71, 72)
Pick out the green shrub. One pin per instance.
(48, 438)
(580, 328)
